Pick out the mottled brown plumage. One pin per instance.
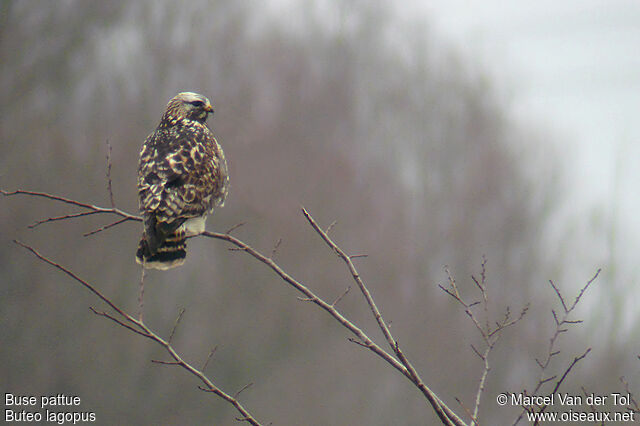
(182, 176)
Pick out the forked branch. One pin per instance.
(396, 357)
(562, 322)
(490, 334)
(139, 327)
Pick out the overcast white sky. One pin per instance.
(573, 67)
(571, 72)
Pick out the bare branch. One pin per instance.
(139, 327)
(564, 305)
(247, 386)
(275, 247)
(57, 218)
(175, 325)
(481, 385)
(155, 361)
(78, 279)
(464, 407)
(591, 406)
(444, 413)
(141, 294)
(583, 289)
(477, 352)
(114, 319)
(490, 335)
(90, 207)
(634, 404)
(211, 352)
(234, 227)
(309, 295)
(355, 256)
(401, 364)
(548, 379)
(339, 298)
(449, 292)
(507, 323)
(104, 228)
(561, 323)
(566, 372)
(331, 225)
(356, 277)
(109, 187)
(357, 342)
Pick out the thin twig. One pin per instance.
(80, 280)
(355, 256)
(564, 376)
(275, 248)
(564, 305)
(109, 188)
(331, 225)
(566, 372)
(591, 406)
(211, 352)
(141, 294)
(560, 322)
(114, 319)
(464, 407)
(357, 342)
(91, 207)
(155, 361)
(339, 298)
(234, 227)
(175, 325)
(634, 404)
(57, 218)
(104, 228)
(247, 386)
(489, 335)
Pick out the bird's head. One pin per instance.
(189, 105)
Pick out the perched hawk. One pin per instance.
(182, 176)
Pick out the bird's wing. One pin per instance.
(181, 172)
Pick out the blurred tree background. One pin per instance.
(337, 106)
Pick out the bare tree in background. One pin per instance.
(344, 109)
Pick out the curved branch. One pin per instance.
(446, 415)
(413, 375)
(89, 207)
(139, 327)
(399, 362)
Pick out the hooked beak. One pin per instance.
(208, 108)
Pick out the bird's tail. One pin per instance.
(169, 254)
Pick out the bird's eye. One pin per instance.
(198, 104)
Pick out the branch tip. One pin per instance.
(175, 325)
(211, 352)
(245, 387)
(234, 227)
